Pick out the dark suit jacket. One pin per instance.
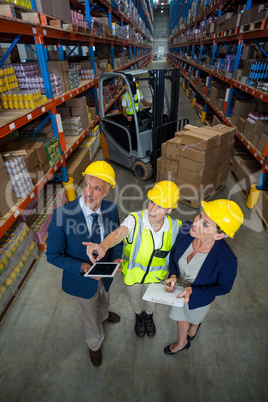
(217, 274)
(66, 232)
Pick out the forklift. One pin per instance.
(138, 146)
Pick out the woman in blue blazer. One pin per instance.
(202, 262)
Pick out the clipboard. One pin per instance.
(156, 293)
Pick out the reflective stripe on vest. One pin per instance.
(141, 261)
(129, 109)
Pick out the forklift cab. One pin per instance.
(137, 146)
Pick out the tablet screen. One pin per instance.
(103, 269)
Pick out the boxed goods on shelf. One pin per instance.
(59, 9)
(242, 109)
(92, 144)
(18, 175)
(78, 107)
(262, 141)
(262, 208)
(79, 19)
(52, 196)
(72, 125)
(77, 163)
(247, 170)
(17, 252)
(74, 78)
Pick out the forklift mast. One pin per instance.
(164, 124)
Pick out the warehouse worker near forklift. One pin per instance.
(149, 237)
(91, 217)
(127, 107)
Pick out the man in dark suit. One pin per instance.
(88, 217)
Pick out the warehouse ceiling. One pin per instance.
(161, 3)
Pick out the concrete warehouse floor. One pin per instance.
(44, 356)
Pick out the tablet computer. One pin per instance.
(103, 270)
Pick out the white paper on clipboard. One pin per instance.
(156, 293)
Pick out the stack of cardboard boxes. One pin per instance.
(59, 9)
(255, 132)
(61, 67)
(247, 171)
(77, 164)
(262, 208)
(75, 107)
(197, 160)
(35, 155)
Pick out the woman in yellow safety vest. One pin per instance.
(149, 236)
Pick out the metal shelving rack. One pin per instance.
(14, 31)
(188, 57)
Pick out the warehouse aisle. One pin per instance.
(44, 356)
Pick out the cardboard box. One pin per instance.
(248, 129)
(77, 164)
(45, 6)
(262, 143)
(262, 205)
(169, 166)
(158, 164)
(216, 120)
(82, 112)
(7, 196)
(194, 177)
(242, 108)
(199, 141)
(173, 148)
(193, 191)
(241, 124)
(2, 165)
(195, 166)
(76, 102)
(61, 9)
(199, 155)
(93, 112)
(260, 128)
(163, 149)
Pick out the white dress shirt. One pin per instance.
(87, 214)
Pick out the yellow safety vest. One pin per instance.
(142, 262)
(129, 109)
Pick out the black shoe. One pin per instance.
(149, 324)
(95, 357)
(168, 351)
(140, 325)
(190, 338)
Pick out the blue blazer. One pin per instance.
(217, 274)
(66, 232)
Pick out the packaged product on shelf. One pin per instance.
(52, 196)
(77, 163)
(97, 27)
(74, 78)
(8, 79)
(92, 144)
(94, 132)
(72, 125)
(17, 252)
(18, 175)
(79, 19)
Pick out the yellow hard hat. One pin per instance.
(165, 193)
(226, 214)
(102, 170)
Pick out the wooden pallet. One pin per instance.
(197, 204)
(261, 219)
(234, 31)
(56, 23)
(18, 13)
(83, 30)
(254, 26)
(20, 286)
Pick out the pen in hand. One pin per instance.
(164, 283)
